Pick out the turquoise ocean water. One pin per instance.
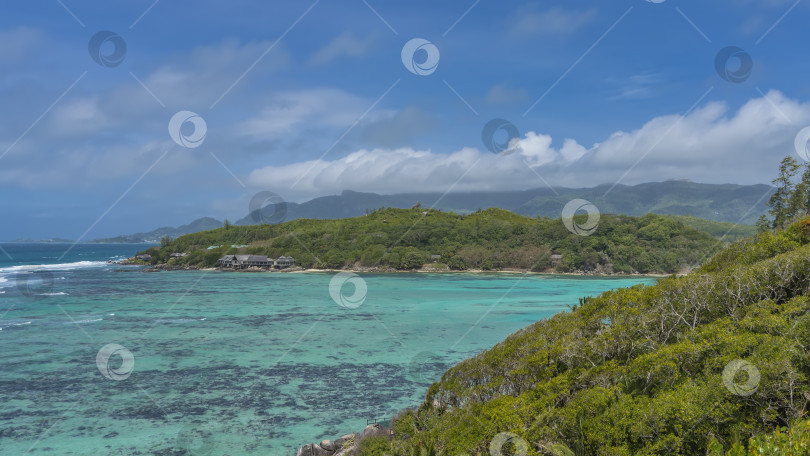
(218, 363)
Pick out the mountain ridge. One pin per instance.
(716, 202)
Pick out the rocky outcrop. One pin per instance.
(343, 446)
(346, 445)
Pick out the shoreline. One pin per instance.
(299, 270)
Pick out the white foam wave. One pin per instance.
(12, 324)
(60, 293)
(89, 321)
(52, 267)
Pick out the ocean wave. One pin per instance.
(52, 267)
(179, 320)
(12, 324)
(60, 293)
(87, 321)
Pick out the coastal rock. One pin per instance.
(328, 446)
(313, 449)
(343, 439)
(375, 430)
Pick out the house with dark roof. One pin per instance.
(245, 261)
(284, 262)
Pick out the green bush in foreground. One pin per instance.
(714, 362)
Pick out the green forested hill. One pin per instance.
(691, 364)
(490, 239)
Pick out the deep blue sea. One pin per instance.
(103, 359)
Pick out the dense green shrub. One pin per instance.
(641, 370)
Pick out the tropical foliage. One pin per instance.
(490, 239)
(713, 362)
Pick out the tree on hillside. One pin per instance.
(227, 224)
(165, 241)
(786, 201)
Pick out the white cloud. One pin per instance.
(711, 144)
(19, 43)
(503, 93)
(344, 45)
(554, 21)
(286, 112)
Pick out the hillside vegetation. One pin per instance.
(715, 362)
(491, 239)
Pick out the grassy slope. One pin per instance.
(489, 239)
(639, 370)
(726, 231)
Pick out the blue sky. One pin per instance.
(311, 98)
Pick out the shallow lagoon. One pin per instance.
(234, 363)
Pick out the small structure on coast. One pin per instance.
(178, 255)
(284, 262)
(144, 257)
(255, 261)
(245, 261)
(555, 259)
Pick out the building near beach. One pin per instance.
(284, 262)
(245, 261)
